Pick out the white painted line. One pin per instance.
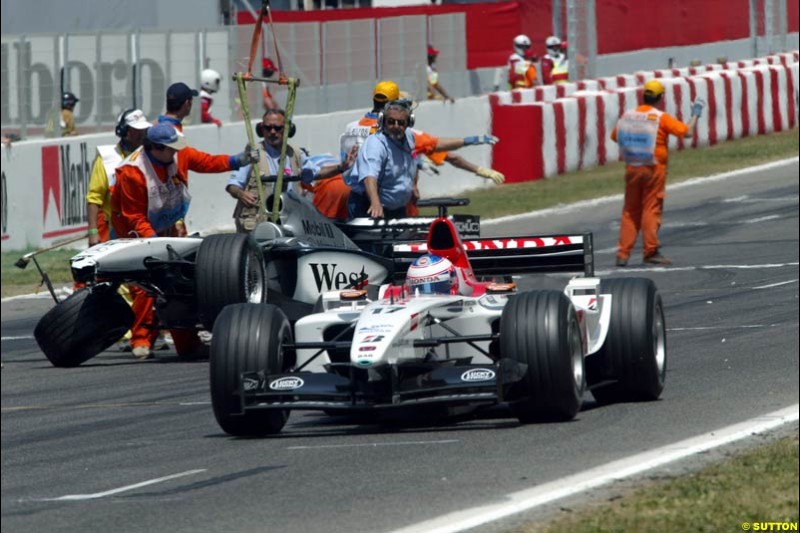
(528, 499)
(61, 292)
(747, 200)
(761, 219)
(735, 200)
(744, 326)
(775, 284)
(374, 444)
(606, 272)
(581, 206)
(33, 296)
(78, 497)
(22, 338)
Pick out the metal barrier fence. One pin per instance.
(337, 62)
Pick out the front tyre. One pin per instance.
(247, 338)
(540, 330)
(229, 269)
(634, 354)
(83, 325)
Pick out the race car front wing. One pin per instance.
(348, 387)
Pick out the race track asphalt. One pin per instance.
(95, 432)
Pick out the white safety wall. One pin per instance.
(44, 181)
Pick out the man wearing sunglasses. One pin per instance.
(242, 187)
(382, 179)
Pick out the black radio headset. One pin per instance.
(401, 102)
(122, 126)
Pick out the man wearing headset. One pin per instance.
(131, 129)
(331, 195)
(382, 179)
(243, 187)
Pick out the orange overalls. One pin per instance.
(645, 188)
(129, 208)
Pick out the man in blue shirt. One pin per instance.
(245, 189)
(382, 179)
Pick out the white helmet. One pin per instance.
(553, 42)
(209, 80)
(521, 44)
(431, 274)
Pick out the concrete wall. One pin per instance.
(543, 132)
(44, 181)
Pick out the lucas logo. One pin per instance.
(288, 383)
(478, 374)
(329, 278)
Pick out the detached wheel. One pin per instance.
(247, 338)
(229, 269)
(83, 325)
(540, 330)
(634, 354)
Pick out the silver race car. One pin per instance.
(443, 338)
(289, 263)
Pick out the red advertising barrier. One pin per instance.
(622, 25)
(490, 27)
(625, 25)
(570, 131)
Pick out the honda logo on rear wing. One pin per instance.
(514, 255)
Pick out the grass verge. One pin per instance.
(753, 487)
(18, 281)
(513, 198)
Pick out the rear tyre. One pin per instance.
(634, 354)
(247, 338)
(83, 325)
(229, 269)
(540, 330)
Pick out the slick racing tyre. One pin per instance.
(540, 330)
(632, 364)
(229, 270)
(83, 325)
(247, 338)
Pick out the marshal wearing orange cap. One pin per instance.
(642, 135)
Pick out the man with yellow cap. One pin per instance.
(642, 135)
(330, 195)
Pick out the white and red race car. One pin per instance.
(483, 344)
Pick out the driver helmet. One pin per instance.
(431, 274)
(521, 44)
(209, 80)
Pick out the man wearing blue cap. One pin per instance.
(179, 105)
(150, 197)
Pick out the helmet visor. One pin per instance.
(436, 287)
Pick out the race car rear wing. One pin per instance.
(371, 230)
(514, 255)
